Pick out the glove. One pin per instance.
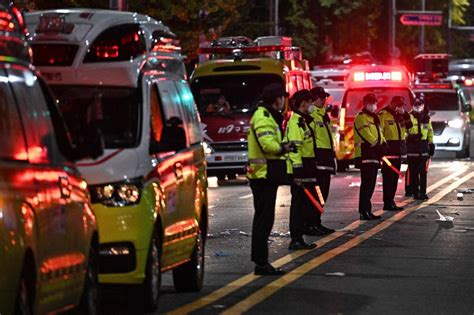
(381, 150)
(432, 149)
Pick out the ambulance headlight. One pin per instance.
(456, 123)
(117, 194)
(208, 150)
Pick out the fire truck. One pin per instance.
(227, 86)
(385, 82)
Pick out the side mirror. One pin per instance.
(173, 137)
(334, 111)
(91, 145)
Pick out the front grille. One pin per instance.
(229, 146)
(438, 127)
(110, 261)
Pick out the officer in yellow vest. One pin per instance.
(370, 147)
(267, 169)
(324, 142)
(420, 149)
(394, 121)
(303, 162)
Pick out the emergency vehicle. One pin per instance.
(48, 232)
(123, 73)
(382, 80)
(333, 79)
(235, 70)
(462, 72)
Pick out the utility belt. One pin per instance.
(276, 170)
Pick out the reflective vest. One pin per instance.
(365, 127)
(420, 135)
(394, 132)
(303, 162)
(324, 140)
(264, 143)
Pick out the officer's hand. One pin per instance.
(432, 149)
(297, 181)
(289, 147)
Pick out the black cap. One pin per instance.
(369, 98)
(418, 102)
(272, 91)
(299, 97)
(319, 92)
(398, 100)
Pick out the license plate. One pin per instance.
(235, 158)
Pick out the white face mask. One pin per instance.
(418, 109)
(371, 107)
(400, 110)
(311, 108)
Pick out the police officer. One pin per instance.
(267, 169)
(303, 162)
(420, 149)
(324, 142)
(370, 146)
(394, 121)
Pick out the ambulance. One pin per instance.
(123, 74)
(385, 82)
(227, 87)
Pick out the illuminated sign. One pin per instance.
(421, 19)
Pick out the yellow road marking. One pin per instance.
(245, 280)
(262, 294)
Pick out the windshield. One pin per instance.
(440, 101)
(230, 94)
(115, 110)
(336, 96)
(353, 98)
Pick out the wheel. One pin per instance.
(465, 153)
(342, 166)
(24, 298)
(89, 303)
(150, 289)
(190, 276)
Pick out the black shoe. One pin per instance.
(365, 217)
(326, 230)
(268, 270)
(409, 194)
(393, 208)
(422, 197)
(301, 244)
(373, 216)
(314, 231)
(397, 207)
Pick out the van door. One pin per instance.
(60, 266)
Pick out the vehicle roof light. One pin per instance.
(434, 86)
(396, 75)
(359, 76)
(378, 76)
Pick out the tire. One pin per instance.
(465, 153)
(89, 303)
(189, 277)
(25, 295)
(150, 289)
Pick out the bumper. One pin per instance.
(125, 234)
(452, 139)
(221, 161)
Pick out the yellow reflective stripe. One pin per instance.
(325, 168)
(308, 180)
(297, 142)
(265, 133)
(370, 161)
(297, 165)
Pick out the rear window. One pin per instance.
(440, 101)
(353, 98)
(53, 54)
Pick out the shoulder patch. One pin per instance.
(266, 114)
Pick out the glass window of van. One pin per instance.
(11, 135)
(190, 112)
(156, 115)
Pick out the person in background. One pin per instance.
(221, 106)
(420, 149)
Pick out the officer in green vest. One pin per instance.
(370, 147)
(303, 162)
(394, 121)
(420, 149)
(267, 169)
(324, 150)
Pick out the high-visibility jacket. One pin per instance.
(394, 128)
(420, 135)
(368, 137)
(300, 132)
(324, 140)
(264, 144)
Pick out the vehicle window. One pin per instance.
(11, 130)
(53, 54)
(115, 111)
(230, 93)
(441, 101)
(156, 115)
(336, 96)
(39, 131)
(118, 43)
(190, 112)
(353, 98)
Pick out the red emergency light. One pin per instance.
(107, 51)
(434, 86)
(378, 76)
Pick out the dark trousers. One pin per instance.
(417, 169)
(368, 176)
(390, 182)
(299, 205)
(324, 182)
(264, 199)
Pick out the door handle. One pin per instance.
(65, 187)
(178, 171)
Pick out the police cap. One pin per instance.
(398, 101)
(319, 92)
(272, 91)
(369, 98)
(299, 97)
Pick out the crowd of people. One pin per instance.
(297, 149)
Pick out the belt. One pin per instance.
(309, 180)
(394, 156)
(370, 161)
(325, 168)
(418, 154)
(257, 161)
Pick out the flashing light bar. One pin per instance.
(249, 50)
(378, 76)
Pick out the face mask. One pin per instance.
(400, 110)
(418, 109)
(371, 107)
(311, 108)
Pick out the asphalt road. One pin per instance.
(406, 263)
